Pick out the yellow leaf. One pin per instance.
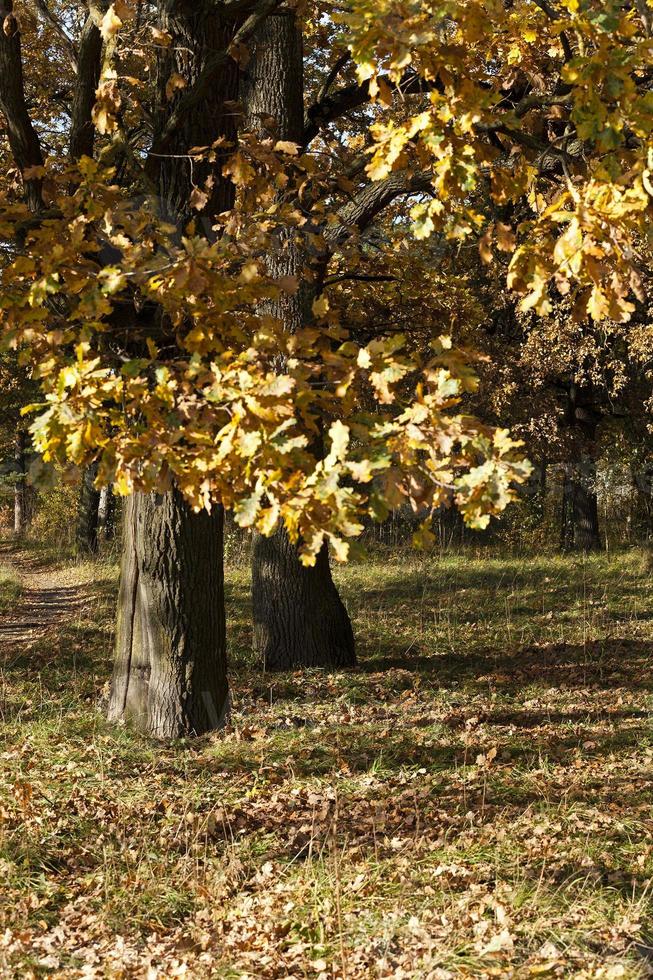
(364, 359)
(285, 146)
(161, 38)
(111, 23)
(339, 435)
(176, 81)
(320, 307)
(485, 247)
(198, 199)
(340, 548)
(506, 240)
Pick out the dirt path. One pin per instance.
(46, 601)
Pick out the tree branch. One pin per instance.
(330, 107)
(333, 74)
(360, 212)
(551, 13)
(359, 277)
(47, 15)
(646, 13)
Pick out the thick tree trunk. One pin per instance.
(580, 510)
(20, 487)
(199, 32)
(299, 617)
(170, 675)
(88, 513)
(580, 518)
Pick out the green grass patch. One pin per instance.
(10, 590)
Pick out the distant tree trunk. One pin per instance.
(643, 487)
(580, 511)
(20, 487)
(88, 513)
(299, 617)
(107, 513)
(540, 481)
(170, 675)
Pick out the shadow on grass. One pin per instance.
(364, 748)
(602, 664)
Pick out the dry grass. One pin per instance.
(475, 800)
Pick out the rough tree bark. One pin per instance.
(170, 676)
(88, 513)
(580, 511)
(22, 136)
(82, 130)
(580, 520)
(299, 617)
(20, 486)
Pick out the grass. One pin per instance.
(474, 801)
(10, 590)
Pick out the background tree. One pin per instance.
(88, 513)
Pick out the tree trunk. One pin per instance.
(170, 675)
(299, 617)
(20, 487)
(88, 513)
(198, 31)
(540, 488)
(107, 513)
(580, 522)
(643, 488)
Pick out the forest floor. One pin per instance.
(475, 800)
(35, 599)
